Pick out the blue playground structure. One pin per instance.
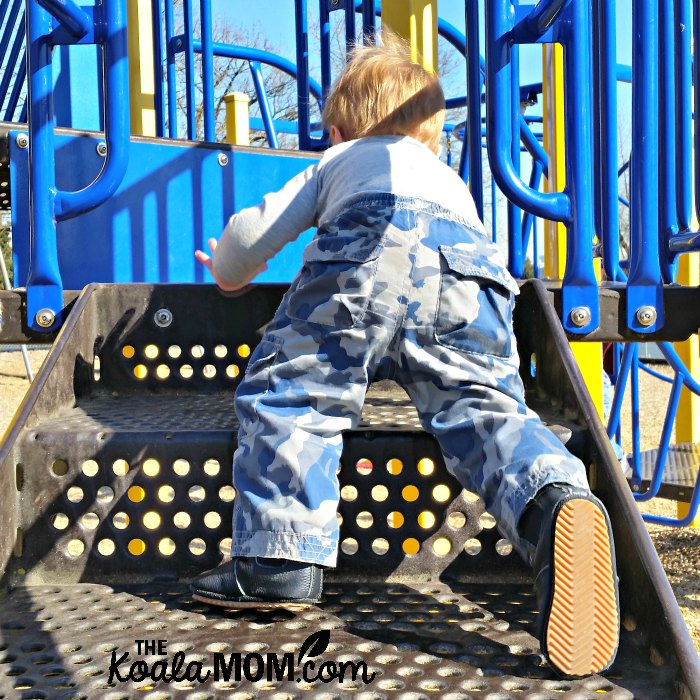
(125, 143)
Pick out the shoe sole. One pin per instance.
(582, 632)
(252, 603)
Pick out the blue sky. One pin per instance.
(276, 18)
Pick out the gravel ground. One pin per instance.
(679, 549)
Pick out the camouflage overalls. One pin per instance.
(392, 287)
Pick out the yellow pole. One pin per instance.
(142, 88)
(588, 355)
(688, 416)
(415, 21)
(237, 119)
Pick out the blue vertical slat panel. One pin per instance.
(207, 71)
(171, 69)
(158, 65)
(302, 51)
(188, 41)
(644, 282)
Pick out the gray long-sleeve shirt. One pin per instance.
(398, 165)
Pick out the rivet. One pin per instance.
(581, 316)
(646, 315)
(163, 318)
(22, 140)
(45, 318)
(223, 159)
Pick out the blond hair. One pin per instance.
(382, 92)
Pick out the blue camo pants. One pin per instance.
(391, 288)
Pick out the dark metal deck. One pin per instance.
(451, 641)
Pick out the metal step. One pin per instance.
(435, 640)
(115, 474)
(680, 472)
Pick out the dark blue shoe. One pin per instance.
(573, 560)
(257, 582)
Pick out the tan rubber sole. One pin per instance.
(246, 605)
(583, 625)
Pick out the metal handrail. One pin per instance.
(47, 204)
(71, 16)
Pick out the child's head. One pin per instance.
(382, 92)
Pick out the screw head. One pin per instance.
(101, 148)
(580, 316)
(22, 140)
(163, 318)
(178, 43)
(45, 318)
(646, 316)
(223, 159)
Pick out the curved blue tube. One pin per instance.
(117, 122)
(69, 15)
(555, 206)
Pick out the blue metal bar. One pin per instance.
(474, 89)
(325, 38)
(117, 122)
(684, 243)
(263, 103)
(247, 53)
(516, 257)
(696, 104)
(531, 142)
(668, 221)
(580, 287)
(171, 69)
(620, 386)
(605, 120)
(69, 15)
(7, 34)
(530, 221)
(188, 45)
(207, 70)
(369, 25)
(538, 21)
(636, 449)
(44, 287)
(11, 63)
(556, 205)
(644, 284)
(158, 63)
(654, 373)
(302, 50)
(684, 115)
(349, 26)
(17, 89)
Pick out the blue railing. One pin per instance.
(49, 24)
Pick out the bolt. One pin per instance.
(45, 318)
(223, 159)
(646, 315)
(178, 43)
(581, 316)
(101, 148)
(163, 318)
(22, 140)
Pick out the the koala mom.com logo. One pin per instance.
(302, 667)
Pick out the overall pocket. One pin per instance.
(475, 307)
(335, 284)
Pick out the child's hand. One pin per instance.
(223, 284)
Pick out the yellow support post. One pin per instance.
(142, 88)
(588, 355)
(416, 21)
(688, 416)
(237, 119)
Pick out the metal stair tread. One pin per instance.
(451, 638)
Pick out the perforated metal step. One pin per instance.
(680, 471)
(455, 641)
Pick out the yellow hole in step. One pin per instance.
(151, 352)
(151, 520)
(136, 494)
(410, 493)
(151, 467)
(426, 466)
(137, 547)
(395, 519)
(426, 519)
(243, 351)
(411, 546)
(140, 371)
(394, 466)
(128, 351)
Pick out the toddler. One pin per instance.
(399, 282)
